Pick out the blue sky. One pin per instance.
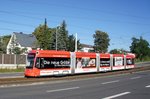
(121, 19)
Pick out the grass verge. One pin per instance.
(11, 70)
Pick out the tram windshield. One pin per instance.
(30, 60)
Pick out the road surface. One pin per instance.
(12, 75)
(124, 86)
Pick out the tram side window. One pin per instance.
(85, 62)
(130, 61)
(54, 63)
(118, 61)
(104, 62)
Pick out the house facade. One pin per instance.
(22, 41)
(86, 48)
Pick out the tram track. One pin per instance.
(9, 81)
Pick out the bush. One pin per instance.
(144, 59)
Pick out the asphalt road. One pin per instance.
(128, 86)
(21, 74)
(11, 75)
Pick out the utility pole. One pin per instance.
(76, 41)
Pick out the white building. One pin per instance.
(86, 48)
(22, 41)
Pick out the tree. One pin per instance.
(118, 51)
(24, 51)
(71, 43)
(101, 41)
(3, 43)
(16, 50)
(43, 34)
(53, 39)
(140, 47)
(115, 51)
(62, 37)
(48, 38)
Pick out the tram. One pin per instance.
(50, 62)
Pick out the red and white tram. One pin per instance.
(48, 62)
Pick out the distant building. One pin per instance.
(21, 40)
(86, 48)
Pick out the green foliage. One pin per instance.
(118, 51)
(16, 50)
(140, 47)
(24, 50)
(101, 41)
(46, 37)
(71, 43)
(11, 70)
(1, 46)
(43, 35)
(3, 43)
(115, 51)
(52, 42)
(62, 37)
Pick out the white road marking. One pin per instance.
(147, 86)
(38, 83)
(56, 90)
(136, 77)
(110, 82)
(117, 95)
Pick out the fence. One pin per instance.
(12, 61)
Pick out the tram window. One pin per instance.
(130, 61)
(54, 63)
(118, 61)
(85, 62)
(104, 62)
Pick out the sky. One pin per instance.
(121, 19)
